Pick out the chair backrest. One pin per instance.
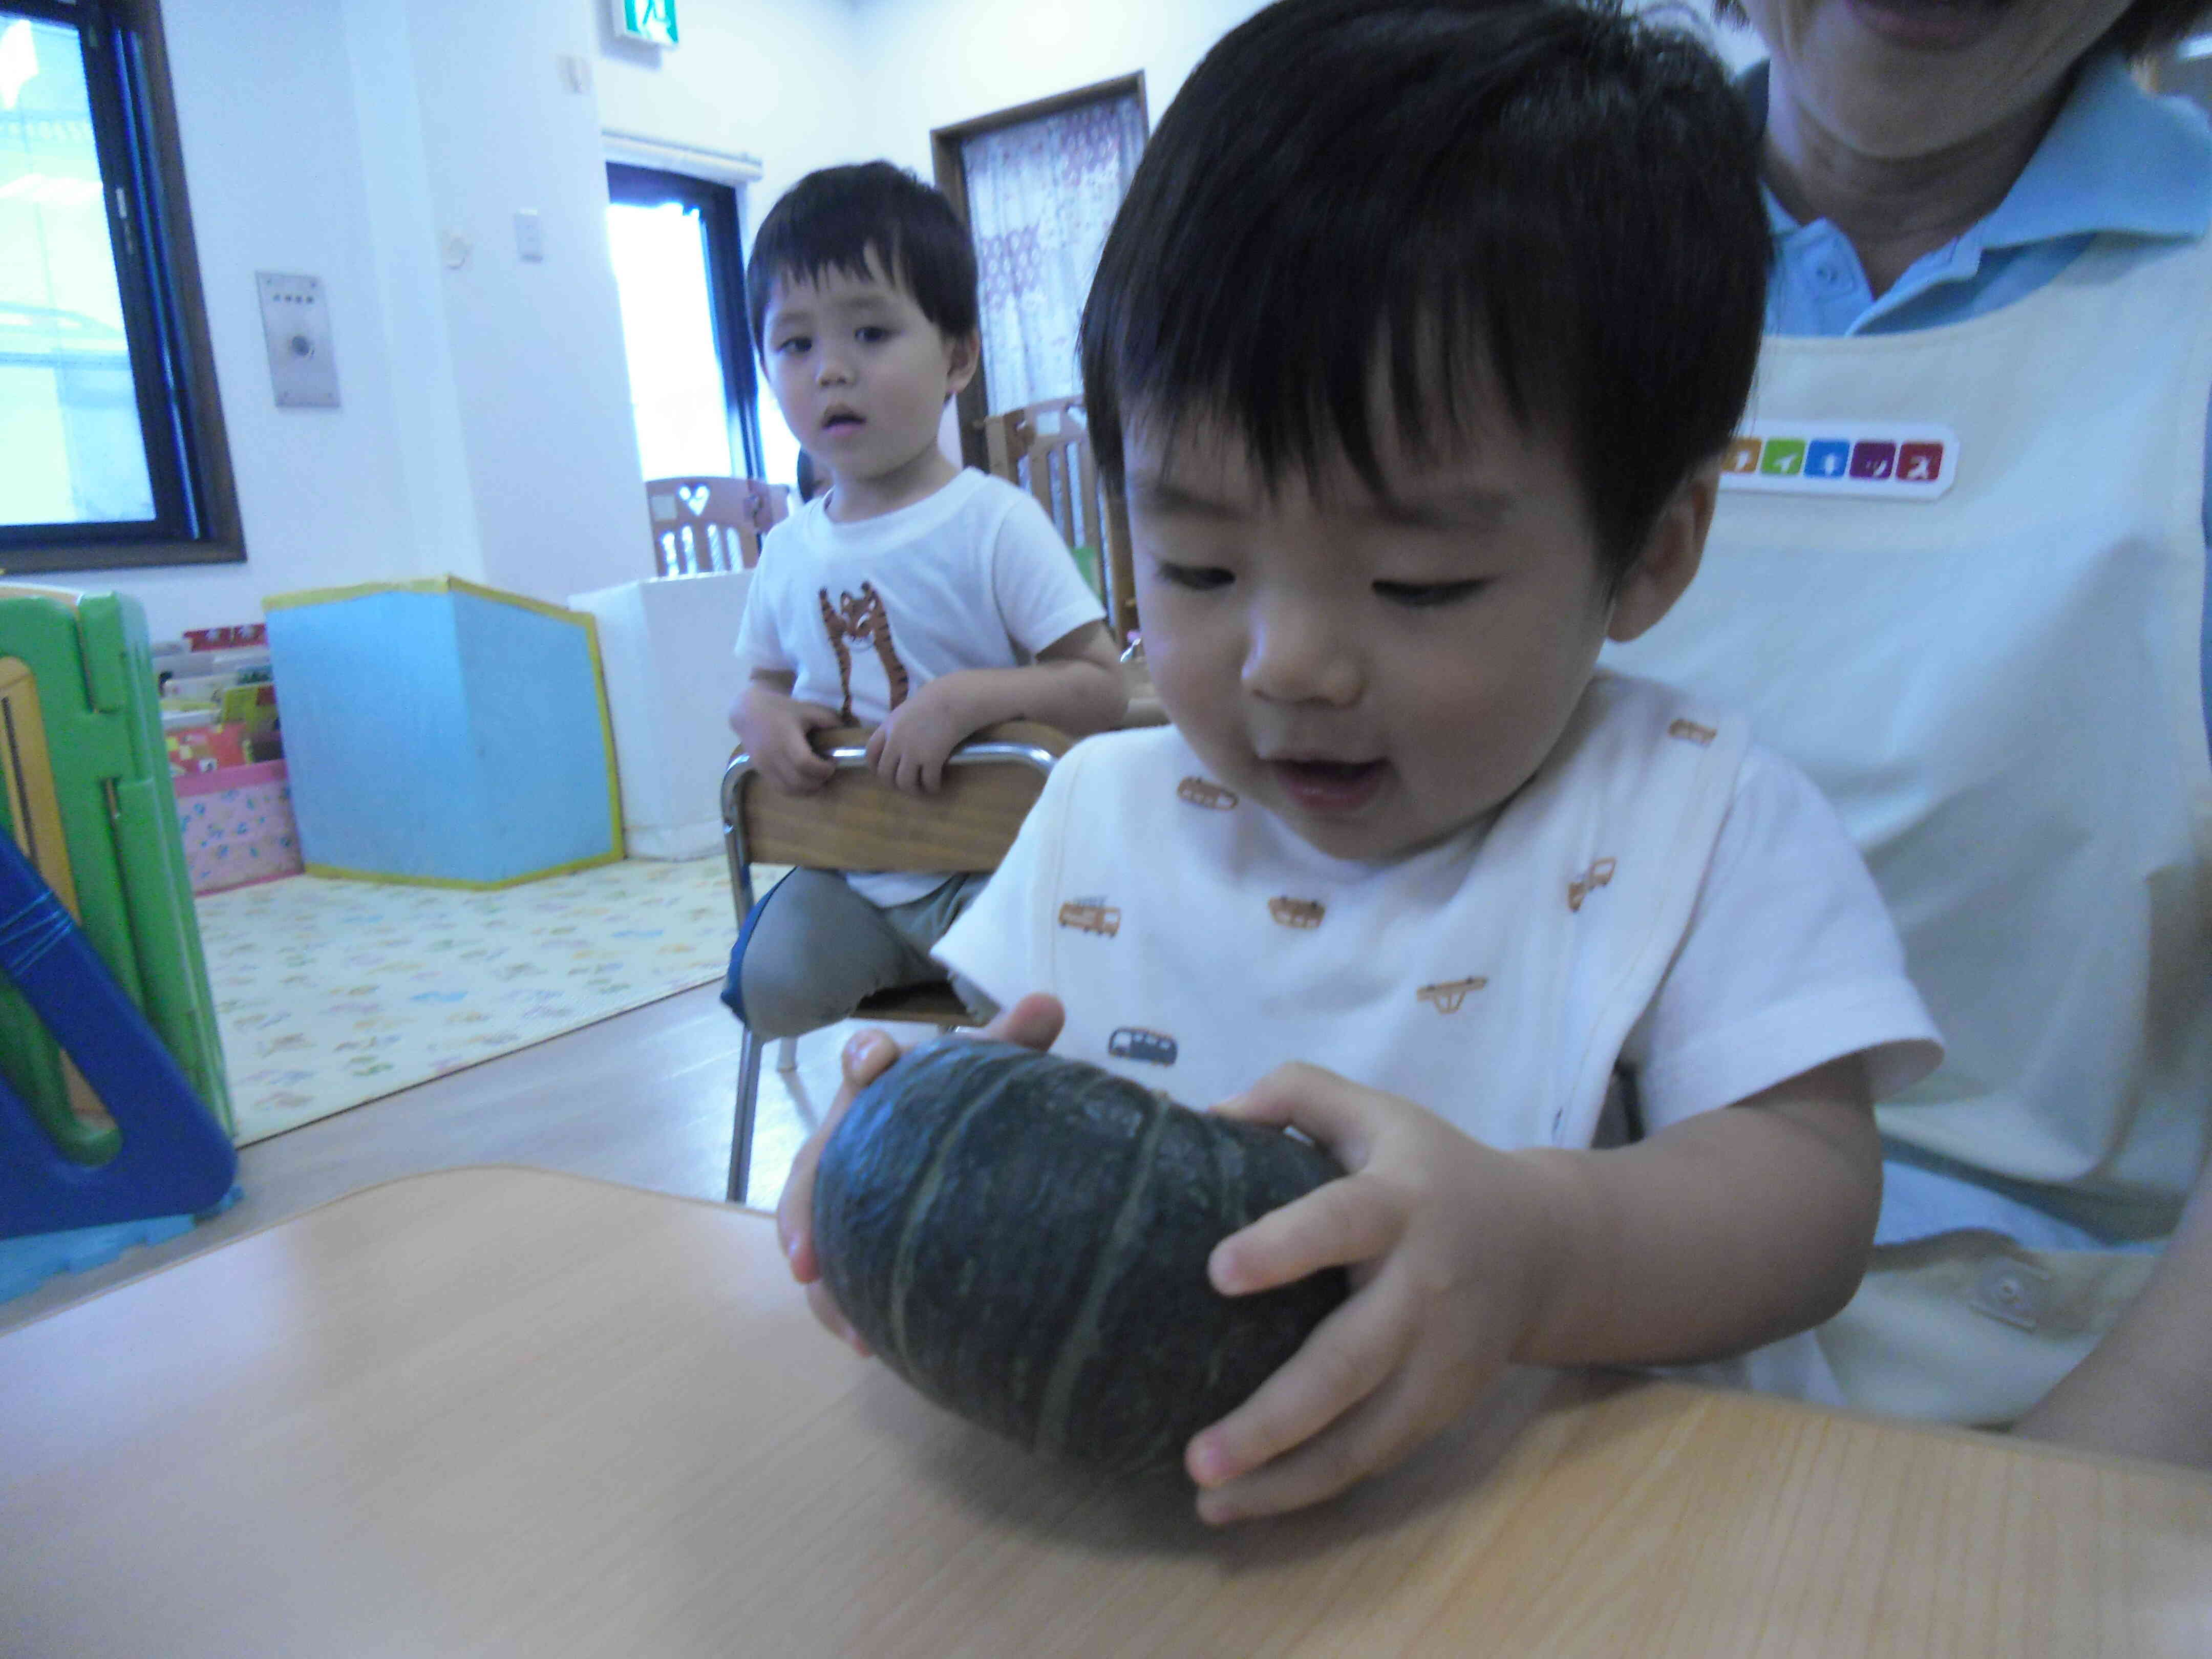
(858, 822)
(1046, 449)
(701, 525)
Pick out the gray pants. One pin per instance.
(814, 948)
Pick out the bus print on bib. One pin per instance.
(1449, 996)
(1091, 916)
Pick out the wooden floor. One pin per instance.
(645, 1098)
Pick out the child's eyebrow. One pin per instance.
(1450, 509)
(1162, 497)
(1455, 509)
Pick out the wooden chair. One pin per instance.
(701, 525)
(1046, 449)
(858, 822)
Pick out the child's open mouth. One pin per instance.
(842, 421)
(1320, 786)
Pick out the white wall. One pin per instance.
(788, 80)
(439, 527)
(484, 427)
(948, 61)
(542, 388)
(274, 172)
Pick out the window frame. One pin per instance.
(635, 185)
(165, 326)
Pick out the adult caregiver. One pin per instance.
(1958, 572)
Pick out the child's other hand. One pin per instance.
(776, 729)
(1446, 1239)
(1034, 1022)
(908, 750)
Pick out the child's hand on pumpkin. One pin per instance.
(1446, 1241)
(1034, 1022)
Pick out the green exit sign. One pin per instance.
(645, 19)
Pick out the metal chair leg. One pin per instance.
(786, 1054)
(741, 1130)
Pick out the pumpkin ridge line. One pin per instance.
(1082, 1342)
(1221, 1152)
(924, 1195)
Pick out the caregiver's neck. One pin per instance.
(1894, 209)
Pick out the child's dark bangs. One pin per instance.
(1361, 244)
(844, 246)
(1364, 228)
(803, 254)
(1401, 368)
(864, 221)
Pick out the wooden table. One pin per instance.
(501, 1411)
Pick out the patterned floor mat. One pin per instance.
(334, 993)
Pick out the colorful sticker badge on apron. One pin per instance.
(1891, 460)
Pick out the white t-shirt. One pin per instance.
(1662, 899)
(862, 615)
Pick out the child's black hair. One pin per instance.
(833, 219)
(1547, 198)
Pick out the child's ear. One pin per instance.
(1670, 555)
(964, 353)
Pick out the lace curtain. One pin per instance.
(1040, 197)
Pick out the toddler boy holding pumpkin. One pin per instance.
(1416, 344)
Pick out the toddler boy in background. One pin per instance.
(915, 597)
(1416, 343)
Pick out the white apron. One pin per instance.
(1999, 688)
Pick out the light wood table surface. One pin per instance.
(500, 1411)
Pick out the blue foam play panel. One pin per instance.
(443, 733)
(27, 1263)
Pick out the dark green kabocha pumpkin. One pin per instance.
(1023, 1238)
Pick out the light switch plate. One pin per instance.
(529, 234)
(296, 319)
